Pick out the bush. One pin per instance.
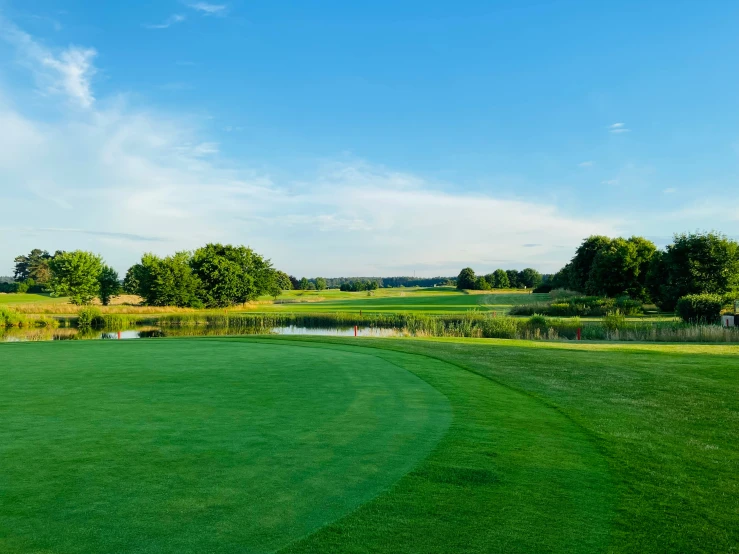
(543, 289)
(584, 306)
(90, 317)
(10, 318)
(699, 308)
(563, 293)
(614, 321)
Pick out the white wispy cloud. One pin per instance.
(69, 71)
(618, 128)
(135, 181)
(586, 164)
(167, 23)
(669, 191)
(209, 9)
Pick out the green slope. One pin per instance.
(198, 446)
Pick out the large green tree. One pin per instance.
(165, 281)
(320, 283)
(75, 274)
(33, 266)
(500, 279)
(582, 262)
(695, 263)
(231, 274)
(466, 279)
(529, 278)
(621, 267)
(109, 284)
(513, 278)
(283, 281)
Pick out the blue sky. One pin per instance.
(383, 138)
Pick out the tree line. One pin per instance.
(499, 279)
(694, 263)
(213, 276)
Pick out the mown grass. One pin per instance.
(438, 300)
(30, 299)
(230, 446)
(665, 418)
(556, 447)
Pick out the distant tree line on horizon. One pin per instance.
(696, 276)
(213, 276)
(697, 263)
(216, 275)
(527, 278)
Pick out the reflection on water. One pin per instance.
(48, 334)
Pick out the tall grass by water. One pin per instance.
(613, 327)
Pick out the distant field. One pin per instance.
(438, 300)
(30, 299)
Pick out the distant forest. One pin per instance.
(336, 282)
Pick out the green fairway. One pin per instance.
(441, 300)
(30, 299)
(234, 445)
(314, 445)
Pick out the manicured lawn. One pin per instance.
(263, 444)
(198, 446)
(438, 300)
(29, 299)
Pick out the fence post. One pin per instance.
(355, 330)
(578, 333)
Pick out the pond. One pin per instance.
(68, 333)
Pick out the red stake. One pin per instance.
(119, 335)
(355, 330)
(578, 333)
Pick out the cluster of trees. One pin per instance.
(336, 282)
(80, 275)
(499, 279)
(214, 276)
(359, 285)
(321, 283)
(695, 263)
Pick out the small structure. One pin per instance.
(727, 320)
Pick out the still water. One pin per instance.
(43, 334)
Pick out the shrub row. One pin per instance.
(12, 318)
(583, 306)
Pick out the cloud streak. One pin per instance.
(167, 23)
(209, 9)
(618, 128)
(68, 72)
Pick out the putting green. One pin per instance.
(259, 445)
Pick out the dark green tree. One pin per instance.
(320, 283)
(529, 278)
(165, 281)
(582, 262)
(283, 281)
(304, 284)
(466, 279)
(513, 278)
(109, 284)
(500, 279)
(231, 274)
(482, 284)
(621, 268)
(75, 274)
(695, 263)
(33, 266)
